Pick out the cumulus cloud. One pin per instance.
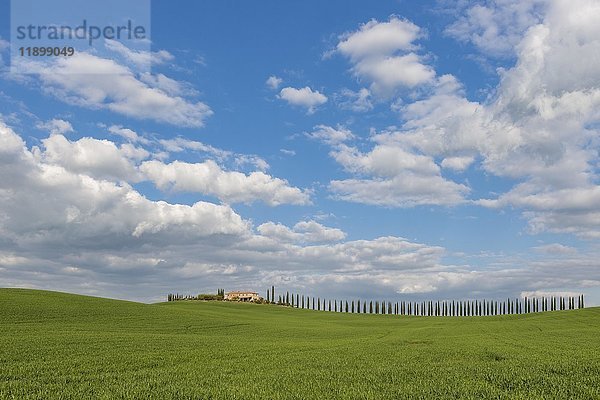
(406, 190)
(90, 81)
(496, 27)
(229, 186)
(179, 144)
(356, 101)
(139, 58)
(555, 249)
(56, 126)
(392, 72)
(53, 205)
(329, 135)
(388, 175)
(303, 232)
(273, 82)
(127, 134)
(457, 163)
(548, 106)
(383, 53)
(539, 130)
(376, 38)
(303, 97)
(101, 159)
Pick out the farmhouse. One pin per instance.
(242, 296)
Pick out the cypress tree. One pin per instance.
(352, 307)
(329, 305)
(358, 306)
(376, 308)
(364, 307)
(544, 304)
(302, 301)
(297, 300)
(346, 308)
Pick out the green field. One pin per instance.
(55, 345)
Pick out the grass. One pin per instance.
(63, 346)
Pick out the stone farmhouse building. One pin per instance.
(242, 296)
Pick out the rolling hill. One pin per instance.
(56, 345)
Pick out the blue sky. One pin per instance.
(390, 150)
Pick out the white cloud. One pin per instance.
(329, 135)
(496, 27)
(56, 126)
(356, 101)
(229, 186)
(127, 134)
(180, 144)
(288, 152)
(303, 232)
(140, 59)
(457, 163)
(382, 53)
(90, 81)
(392, 72)
(273, 82)
(81, 211)
(168, 85)
(303, 97)
(406, 190)
(395, 176)
(241, 160)
(555, 249)
(376, 38)
(100, 159)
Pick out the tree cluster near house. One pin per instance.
(202, 296)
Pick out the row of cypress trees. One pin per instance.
(431, 308)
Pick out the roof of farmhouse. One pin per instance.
(242, 292)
